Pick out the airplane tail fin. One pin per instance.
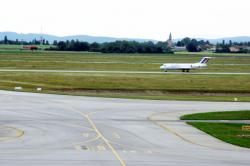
(205, 60)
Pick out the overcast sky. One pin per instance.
(153, 19)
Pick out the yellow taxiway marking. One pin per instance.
(150, 118)
(86, 116)
(18, 133)
(168, 129)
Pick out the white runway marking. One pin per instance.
(85, 134)
(101, 148)
(117, 136)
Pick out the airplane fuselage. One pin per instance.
(185, 67)
(182, 66)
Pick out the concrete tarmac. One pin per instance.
(57, 130)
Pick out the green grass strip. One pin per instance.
(230, 133)
(228, 115)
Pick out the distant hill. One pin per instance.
(51, 38)
(101, 39)
(227, 39)
(234, 39)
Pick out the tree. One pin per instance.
(94, 47)
(161, 47)
(149, 47)
(230, 43)
(193, 46)
(55, 42)
(222, 48)
(43, 42)
(180, 44)
(5, 40)
(113, 47)
(82, 46)
(186, 41)
(61, 46)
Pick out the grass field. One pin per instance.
(11, 47)
(97, 61)
(228, 115)
(145, 86)
(231, 133)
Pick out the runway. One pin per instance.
(121, 72)
(57, 130)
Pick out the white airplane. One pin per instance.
(185, 67)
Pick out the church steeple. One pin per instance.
(170, 36)
(170, 41)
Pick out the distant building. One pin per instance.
(179, 49)
(242, 49)
(234, 49)
(211, 49)
(32, 47)
(208, 47)
(170, 42)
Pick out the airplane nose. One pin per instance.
(161, 67)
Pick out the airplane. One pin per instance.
(185, 67)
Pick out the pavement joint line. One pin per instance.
(19, 133)
(86, 116)
(78, 126)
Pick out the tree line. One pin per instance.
(233, 47)
(193, 45)
(112, 47)
(108, 47)
(21, 42)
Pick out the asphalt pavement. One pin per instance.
(53, 130)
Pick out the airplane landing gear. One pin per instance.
(185, 70)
